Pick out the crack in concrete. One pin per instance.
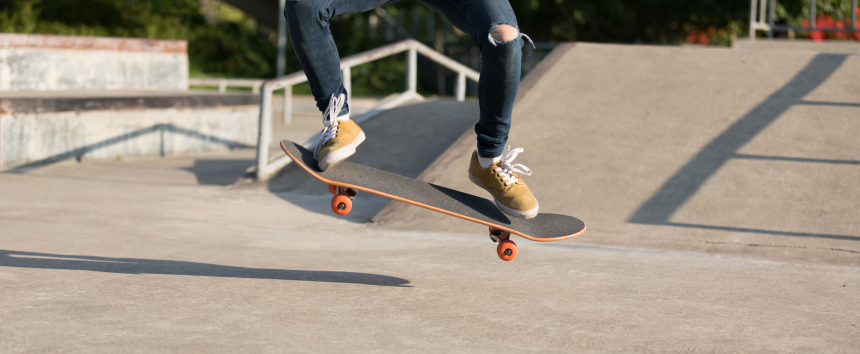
(779, 246)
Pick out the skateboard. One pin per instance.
(346, 179)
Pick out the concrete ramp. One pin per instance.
(718, 151)
(714, 150)
(844, 47)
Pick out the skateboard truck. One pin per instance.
(507, 249)
(341, 203)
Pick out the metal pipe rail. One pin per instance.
(265, 169)
(766, 19)
(223, 84)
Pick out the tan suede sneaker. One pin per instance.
(511, 194)
(339, 138)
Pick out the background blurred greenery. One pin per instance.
(228, 43)
(225, 42)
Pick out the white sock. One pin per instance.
(343, 118)
(485, 162)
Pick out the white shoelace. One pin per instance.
(335, 104)
(506, 169)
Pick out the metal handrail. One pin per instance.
(223, 84)
(766, 19)
(265, 169)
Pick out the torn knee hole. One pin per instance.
(504, 33)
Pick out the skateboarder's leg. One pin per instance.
(493, 28)
(308, 24)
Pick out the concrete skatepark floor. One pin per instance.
(739, 253)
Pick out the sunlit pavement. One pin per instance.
(710, 229)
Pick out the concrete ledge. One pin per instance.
(44, 102)
(41, 41)
(843, 47)
(52, 63)
(41, 128)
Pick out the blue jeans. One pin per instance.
(308, 23)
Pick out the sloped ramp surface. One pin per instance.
(747, 152)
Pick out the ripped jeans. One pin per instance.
(491, 24)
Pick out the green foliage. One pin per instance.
(380, 77)
(234, 45)
(646, 21)
(795, 12)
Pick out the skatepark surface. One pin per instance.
(718, 186)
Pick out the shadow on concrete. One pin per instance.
(831, 104)
(481, 206)
(155, 129)
(658, 210)
(213, 172)
(219, 172)
(404, 140)
(795, 159)
(151, 266)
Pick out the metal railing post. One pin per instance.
(461, 86)
(281, 68)
(752, 19)
(222, 86)
(347, 83)
(265, 131)
(772, 20)
(412, 70)
(853, 14)
(812, 14)
(288, 105)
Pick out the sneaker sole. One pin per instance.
(528, 214)
(341, 154)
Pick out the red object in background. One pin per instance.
(828, 22)
(856, 34)
(703, 38)
(817, 36)
(692, 37)
(839, 35)
(698, 37)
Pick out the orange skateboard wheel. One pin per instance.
(332, 188)
(507, 250)
(341, 204)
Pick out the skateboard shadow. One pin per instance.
(219, 172)
(478, 205)
(207, 171)
(36, 260)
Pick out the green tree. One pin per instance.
(231, 45)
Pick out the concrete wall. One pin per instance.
(108, 134)
(47, 63)
(39, 127)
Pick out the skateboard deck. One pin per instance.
(350, 178)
